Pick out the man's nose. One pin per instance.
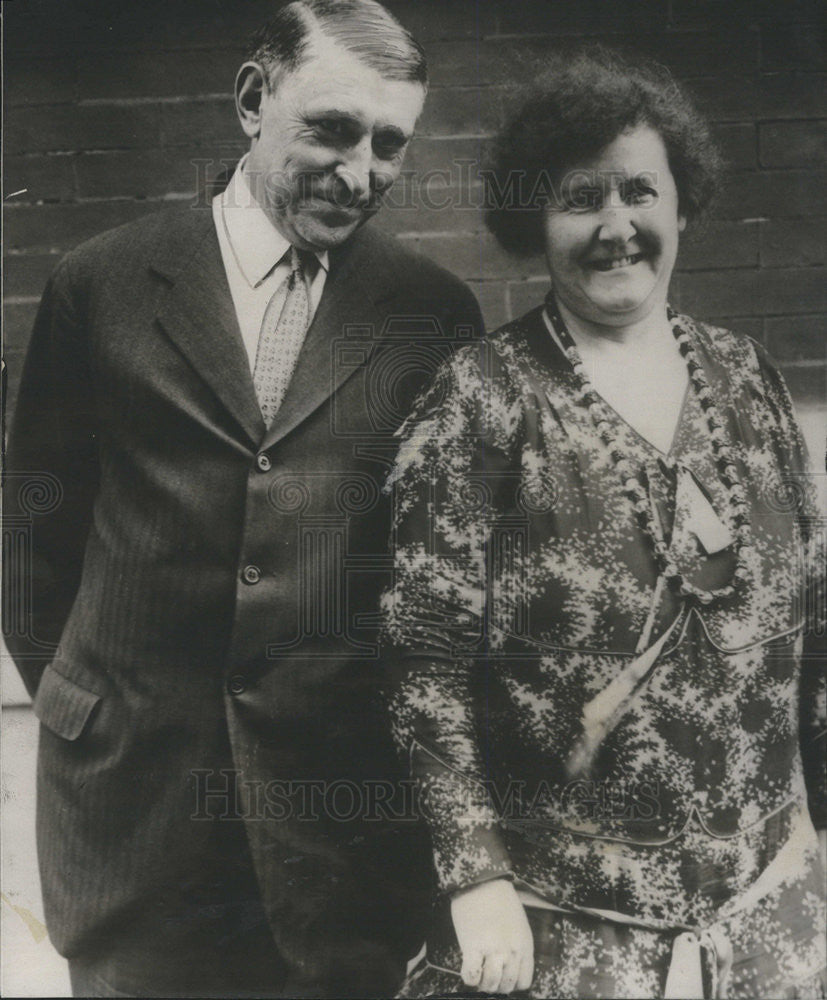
(355, 172)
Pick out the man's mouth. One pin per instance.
(352, 206)
(613, 263)
(333, 208)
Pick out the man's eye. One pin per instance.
(333, 130)
(332, 126)
(387, 149)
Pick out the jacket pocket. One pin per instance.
(62, 705)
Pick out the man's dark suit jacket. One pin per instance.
(212, 585)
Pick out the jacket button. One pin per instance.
(237, 684)
(263, 462)
(251, 574)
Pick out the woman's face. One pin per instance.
(612, 238)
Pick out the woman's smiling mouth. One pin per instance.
(613, 263)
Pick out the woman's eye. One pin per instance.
(584, 199)
(642, 195)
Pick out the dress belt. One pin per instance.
(684, 981)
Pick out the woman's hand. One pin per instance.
(495, 937)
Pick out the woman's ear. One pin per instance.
(249, 89)
(681, 223)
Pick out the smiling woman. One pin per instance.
(612, 244)
(596, 625)
(577, 108)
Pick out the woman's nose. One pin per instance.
(616, 225)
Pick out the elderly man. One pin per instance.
(211, 396)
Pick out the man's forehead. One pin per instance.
(329, 71)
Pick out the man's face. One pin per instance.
(331, 140)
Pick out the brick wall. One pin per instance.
(114, 110)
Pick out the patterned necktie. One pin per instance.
(280, 340)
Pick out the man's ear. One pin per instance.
(249, 88)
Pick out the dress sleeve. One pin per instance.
(804, 491)
(435, 641)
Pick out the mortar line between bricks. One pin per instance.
(789, 315)
(58, 151)
(729, 314)
(19, 206)
(553, 36)
(29, 251)
(467, 87)
(450, 136)
(458, 135)
(778, 218)
(799, 168)
(21, 300)
(97, 102)
(792, 121)
(439, 234)
(812, 315)
(127, 199)
(752, 267)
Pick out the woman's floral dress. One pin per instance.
(522, 586)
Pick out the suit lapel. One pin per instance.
(349, 297)
(198, 315)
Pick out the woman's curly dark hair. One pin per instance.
(580, 104)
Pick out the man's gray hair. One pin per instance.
(363, 27)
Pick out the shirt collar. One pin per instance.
(256, 243)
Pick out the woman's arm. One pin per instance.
(434, 620)
(445, 497)
(801, 485)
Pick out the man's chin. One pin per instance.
(318, 235)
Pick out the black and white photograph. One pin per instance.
(414, 426)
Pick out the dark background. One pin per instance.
(117, 109)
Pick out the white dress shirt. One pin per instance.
(252, 250)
